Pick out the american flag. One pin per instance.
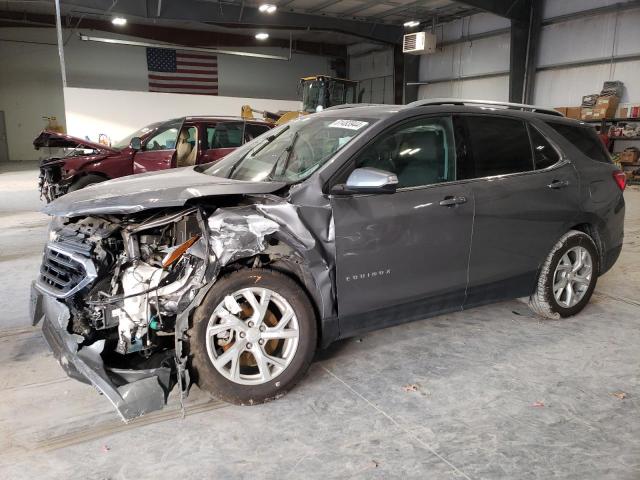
(179, 71)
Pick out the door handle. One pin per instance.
(556, 184)
(450, 201)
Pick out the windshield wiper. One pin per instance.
(269, 140)
(288, 151)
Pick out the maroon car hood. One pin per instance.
(48, 138)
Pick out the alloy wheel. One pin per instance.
(572, 276)
(252, 336)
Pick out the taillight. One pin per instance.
(620, 179)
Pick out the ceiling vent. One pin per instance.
(419, 43)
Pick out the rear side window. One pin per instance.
(253, 130)
(498, 146)
(544, 155)
(584, 139)
(224, 135)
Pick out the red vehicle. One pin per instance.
(179, 142)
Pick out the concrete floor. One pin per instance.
(483, 394)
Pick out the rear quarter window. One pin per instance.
(584, 139)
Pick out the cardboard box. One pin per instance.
(586, 113)
(574, 112)
(606, 107)
(629, 155)
(562, 110)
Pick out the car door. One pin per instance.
(404, 255)
(220, 139)
(158, 151)
(526, 197)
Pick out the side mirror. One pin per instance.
(368, 180)
(136, 143)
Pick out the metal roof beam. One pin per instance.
(229, 15)
(511, 9)
(363, 6)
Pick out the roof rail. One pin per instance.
(492, 103)
(354, 105)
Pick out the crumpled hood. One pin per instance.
(48, 138)
(165, 188)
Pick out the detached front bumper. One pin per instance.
(131, 392)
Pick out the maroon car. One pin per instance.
(179, 142)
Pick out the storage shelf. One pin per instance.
(612, 120)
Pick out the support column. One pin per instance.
(525, 36)
(398, 75)
(63, 69)
(411, 74)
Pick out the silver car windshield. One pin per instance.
(291, 152)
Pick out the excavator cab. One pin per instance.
(321, 91)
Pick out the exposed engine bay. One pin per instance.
(56, 174)
(129, 283)
(50, 181)
(141, 276)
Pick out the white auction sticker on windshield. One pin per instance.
(349, 124)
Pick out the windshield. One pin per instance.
(124, 143)
(312, 92)
(291, 152)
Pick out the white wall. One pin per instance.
(117, 113)
(585, 39)
(456, 61)
(31, 86)
(374, 72)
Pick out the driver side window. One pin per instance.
(164, 140)
(420, 152)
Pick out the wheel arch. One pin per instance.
(589, 228)
(284, 256)
(79, 175)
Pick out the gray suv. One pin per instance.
(231, 275)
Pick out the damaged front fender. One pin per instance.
(153, 273)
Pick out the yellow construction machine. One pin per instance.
(316, 93)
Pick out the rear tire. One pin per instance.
(85, 181)
(567, 278)
(244, 359)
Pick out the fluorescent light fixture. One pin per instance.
(119, 21)
(267, 8)
(262, 36)
(411, 23)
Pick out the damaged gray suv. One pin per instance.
(231, 275)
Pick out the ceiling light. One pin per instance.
(119, 21)
(262, 36)
(267, 8)
(411, 23)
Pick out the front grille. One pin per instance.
(60, 271)
(64, 273)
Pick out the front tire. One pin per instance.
(85, 181)
(253, 337)
(567, 278)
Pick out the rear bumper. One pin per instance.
(131, 392)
